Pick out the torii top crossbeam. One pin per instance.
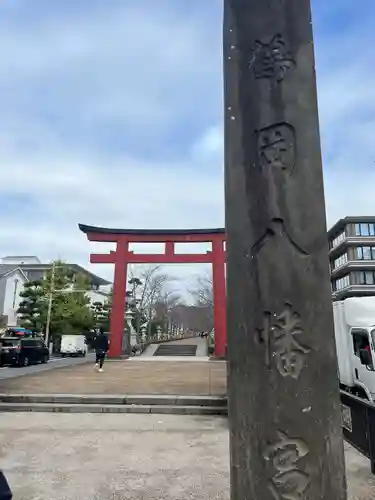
(95, 233)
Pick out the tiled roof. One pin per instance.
(75, 267)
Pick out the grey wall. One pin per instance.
(35, 275)
(3, 283)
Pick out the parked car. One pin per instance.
(22, 351)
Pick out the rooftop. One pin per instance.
(7, 268)
(96, 280)
(341, 223)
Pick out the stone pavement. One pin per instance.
(188, 376)
(122, 457)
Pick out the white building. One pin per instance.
(15, 271)
(12, 280)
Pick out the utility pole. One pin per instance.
(50, 300)
(283, 395)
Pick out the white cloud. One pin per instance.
(145, 75)
(110, 66)
(129, 193)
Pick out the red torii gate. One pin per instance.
(122, 256)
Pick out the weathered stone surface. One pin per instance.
(286, 438)
(137, 457)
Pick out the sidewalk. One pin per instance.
(135, 376)
(8, 372)
(129, 457)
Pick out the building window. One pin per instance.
(365, 229)
(342, 282)
(367, 278)
(336, 241)
(340, 261)
(365, 253)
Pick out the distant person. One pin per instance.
(101, 345)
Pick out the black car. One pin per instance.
(22, 351)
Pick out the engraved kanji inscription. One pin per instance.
(272, 60)
(291, 480)
(276, 147)
(278, 334)
(290, 353)
(276, 228)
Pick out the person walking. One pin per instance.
(101, 347)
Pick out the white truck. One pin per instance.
(73, 345)
(354, 321)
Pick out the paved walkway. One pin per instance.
(189, 376)
(123, 457)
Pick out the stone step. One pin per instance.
(119, 400)
(112, 408)
(176, 350)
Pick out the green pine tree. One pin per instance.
(70, 313)
(33, 308)
(101, 314)
(70, 308)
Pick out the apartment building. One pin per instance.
(352, 257)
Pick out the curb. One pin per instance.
(91, 403)
(94, 408)
(115, 399)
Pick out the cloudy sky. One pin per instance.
(111, 114)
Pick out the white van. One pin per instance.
(73, 345)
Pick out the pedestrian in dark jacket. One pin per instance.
(5, 492)
(101, 347)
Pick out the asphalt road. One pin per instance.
(15, 371)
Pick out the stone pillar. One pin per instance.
(158, 333)
(143, 334)
(129, 315)
(284, 407)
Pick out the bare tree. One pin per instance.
(202, 290)
(205, 290)
(152, 286)
(202, 293)
(165, 308)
